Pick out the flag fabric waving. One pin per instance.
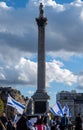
(57, 109)
(16, 105)
(66, 110)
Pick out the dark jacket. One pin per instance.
(64, 121)
(21, 124)
(78, 122)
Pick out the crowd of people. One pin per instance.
(22, 122)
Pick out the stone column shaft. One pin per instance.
(41, 59)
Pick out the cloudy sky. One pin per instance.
(64, 45)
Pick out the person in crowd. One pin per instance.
(54, 126)
(4, 119)
(15, 120)
(30, 125)
(64, 122)
(47, 127)
(39, 120)
(39, 123)
(78, 122)
(21, 124)
(58, 122)
(2, 127)
(9, 125)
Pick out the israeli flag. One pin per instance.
(57, 109)
(66, 110)
(16, 105)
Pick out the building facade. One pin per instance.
(74, 101)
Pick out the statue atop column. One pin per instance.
(41, 10)
(41, 20)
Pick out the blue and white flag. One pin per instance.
(13, 103)
(66, 110)
(57, 109)
(16, 118)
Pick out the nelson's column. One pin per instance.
(40, 97)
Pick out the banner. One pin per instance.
(16, 105)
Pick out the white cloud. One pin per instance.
(81, 15)
(56, 73)
(80, 79)
(26, 73)
(52, 3)
(4, 6)
(30, 92)
(2, 77)
(77, 3)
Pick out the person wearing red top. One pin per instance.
(39, 123)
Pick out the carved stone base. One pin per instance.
(40, 102)
(38, 95)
